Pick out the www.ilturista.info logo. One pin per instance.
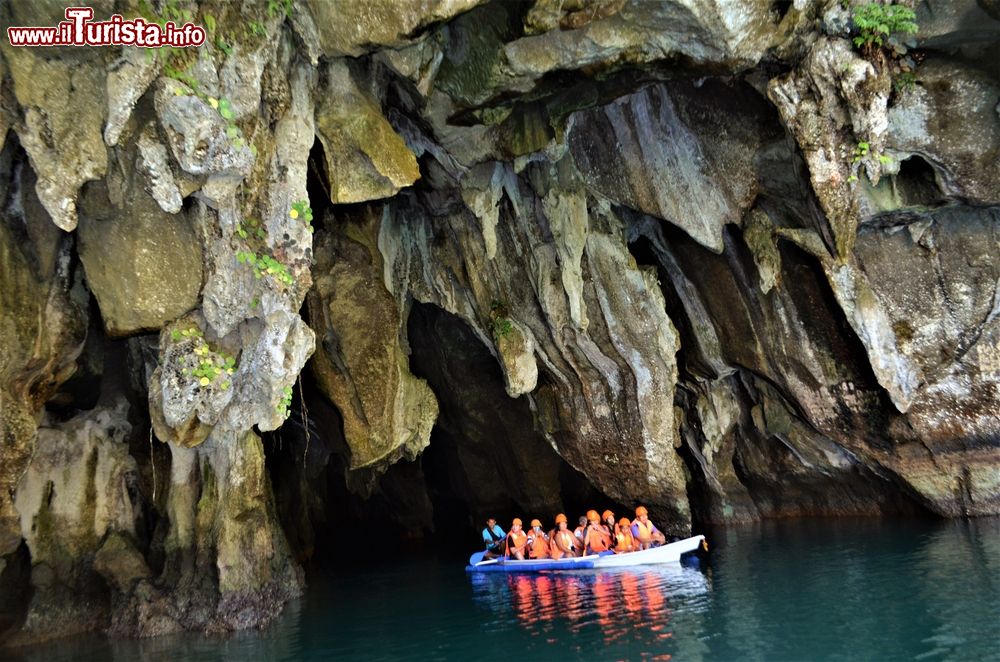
(78, 30)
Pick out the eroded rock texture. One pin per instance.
(705, 256)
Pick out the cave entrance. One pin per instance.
(485, 458)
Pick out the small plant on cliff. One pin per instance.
(225, 109)
(285, 404)
(223, 45)
(256, 29)
(879, 27)
(275, 7)
(172, 56)
(301, 209)
(266, 265)
(860, 152)
(904, 82)
(211, 366)
(500, 320)
(884, 35)
(180, 334)
(222, 106)
(182, 76)
(251, 227)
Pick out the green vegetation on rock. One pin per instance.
(285, 405)
(251, 227)
(879, 26)
(211, 367)
(301, 209)
(266, 265)
(276, 7)
(500, 319)
(252, 231)
(884, 36)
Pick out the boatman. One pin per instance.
(644, 532)
(493, 536)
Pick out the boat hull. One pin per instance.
(669, 553)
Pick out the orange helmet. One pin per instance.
(623, 522)
(516, 522)
(535, 522)
(560, 518)
(640, 511)
(592, 515)
(606, 515)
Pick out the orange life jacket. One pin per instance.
(516, 541)
(539, 548)
(645, 530)
(624, 540)
(598, 539)
(567, 539)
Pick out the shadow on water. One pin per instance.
(791, 590)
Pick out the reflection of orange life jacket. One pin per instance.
(645, 530)
(539, 548)
(567, 539)
(522, 595)
(516, 541)
(605, 602)
(652, 595)
(630, 591)
(624, 538)
(598, 539)
(546, 610)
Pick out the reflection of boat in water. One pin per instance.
(624, 611)
(669, 553)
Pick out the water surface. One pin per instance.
(797, 590)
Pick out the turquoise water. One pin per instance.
(798, 590)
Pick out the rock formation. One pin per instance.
(430, 260)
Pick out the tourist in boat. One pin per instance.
(644, 532)
(597, 538)
(608, 520)
(493, 536)
(516, 541)
(581, 529)
(623, 537)
(563, 543)
(538, 542)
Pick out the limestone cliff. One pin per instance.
(434, 259)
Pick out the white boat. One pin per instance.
(669, 553)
